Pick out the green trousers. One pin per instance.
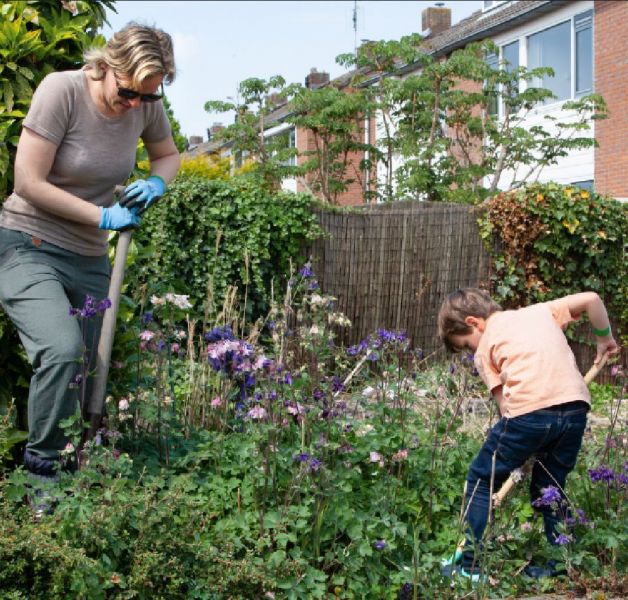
(39, 283)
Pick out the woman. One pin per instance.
(78, 142)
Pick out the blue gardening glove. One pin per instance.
(142, 193)
(118, 218)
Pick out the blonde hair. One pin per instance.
(137, 51)
(467, 302)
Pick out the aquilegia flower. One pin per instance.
(379, 544)
(602, 473)
(549, 495)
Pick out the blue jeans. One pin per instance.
(552, 435)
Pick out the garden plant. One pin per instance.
(268, 462)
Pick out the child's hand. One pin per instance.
(606, 345)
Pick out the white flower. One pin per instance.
(369, 392)
(364, 430)
(123, 405)
(179, 300)
(314, 330)
(157, 301)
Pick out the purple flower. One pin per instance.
(103, 305)
(549, 495)
(318, 394)
(303, 457)
(73, 311)
(147, 317)
(563, 539)
(379, 544)
(287, 379)
(306, 271)
(315, 464)
(336, 384)
(219, 333)
(602, 473)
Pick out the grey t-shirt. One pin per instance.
(94, 154)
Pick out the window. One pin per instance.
(584, 185)
(550, 48)
(583, 26)
(492, 107)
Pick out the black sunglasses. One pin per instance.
(132, 94)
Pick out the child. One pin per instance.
(524, 359)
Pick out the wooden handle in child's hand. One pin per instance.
(499, 496)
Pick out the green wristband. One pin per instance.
(602, 332)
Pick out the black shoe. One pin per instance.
(549, 570)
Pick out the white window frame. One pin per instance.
(523, 37)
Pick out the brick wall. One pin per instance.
(354, 194)
(611, 81)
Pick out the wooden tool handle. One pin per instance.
(97, 399)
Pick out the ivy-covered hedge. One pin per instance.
(549, 240)
(222, 233)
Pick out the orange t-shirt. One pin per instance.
(526, 352)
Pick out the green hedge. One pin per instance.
(222, 233)
(549, 240)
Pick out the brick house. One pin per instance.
(582, 40)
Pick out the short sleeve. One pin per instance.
(487, 370)
(50, 107)
(157, 126)
(560, 312)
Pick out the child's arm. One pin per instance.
(591, 303)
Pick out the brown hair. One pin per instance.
(467, 302)
(137, 51)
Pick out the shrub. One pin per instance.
(549, 240)
(222, 233)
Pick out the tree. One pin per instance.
(249, 137)
(36, 38)
(438, 123)
(335, 120)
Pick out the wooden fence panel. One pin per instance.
(392, 265)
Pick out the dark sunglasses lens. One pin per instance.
(150, 97)
(126, 93)
(131, 95)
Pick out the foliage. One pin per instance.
(202, 166)
(37, 38)
(250, 135)
(318, 472)
(548, 241)
(450, 143)
(228, 232)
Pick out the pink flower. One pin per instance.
(257, 412)
(401, 455)
(146, 335)
(375, 457)
(175, 348)
(216, 402)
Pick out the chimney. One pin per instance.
(214, 129)
(316, 79)
(195, 140)
(436, 18)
